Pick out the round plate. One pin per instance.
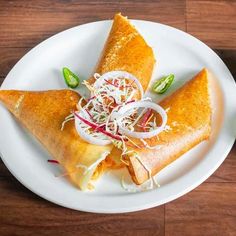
(79, 49)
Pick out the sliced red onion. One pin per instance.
(88, 137)
(116, 75)
(145, 104)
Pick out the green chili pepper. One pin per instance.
(161, 85)
(71, 79)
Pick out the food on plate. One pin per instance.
(71, 79)
(117, 126)
(149, 136)
(189, 123)
(81, 160)
(43, 113)
(126, 50)
(163, 84)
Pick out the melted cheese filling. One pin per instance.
(105, 165)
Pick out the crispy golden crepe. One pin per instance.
(189, 120)
(126, 50)
(42, 113)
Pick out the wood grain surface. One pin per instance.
(210, 209)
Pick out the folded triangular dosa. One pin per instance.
(126, 50)
(42, 113)
(189, 122)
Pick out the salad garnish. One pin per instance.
(117, 113)
(53, 161)
(116, 110)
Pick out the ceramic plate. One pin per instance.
(79, 48)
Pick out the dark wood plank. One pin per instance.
(9, 57)
(209, 210)
(229, 58)
(4, 172)
(213, 22)
(1, 79)
(26, 23)
(24, 213)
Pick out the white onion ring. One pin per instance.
(116, 75)
(88, 137)
(122, 113)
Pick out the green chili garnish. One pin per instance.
(71, 79)
(161, 85)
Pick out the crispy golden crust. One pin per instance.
(42, 113)
(126, 50)
(189, 119)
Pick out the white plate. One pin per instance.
(79, 48)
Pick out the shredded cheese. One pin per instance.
(68, 118)
(18, 103)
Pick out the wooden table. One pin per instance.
(210, 209)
